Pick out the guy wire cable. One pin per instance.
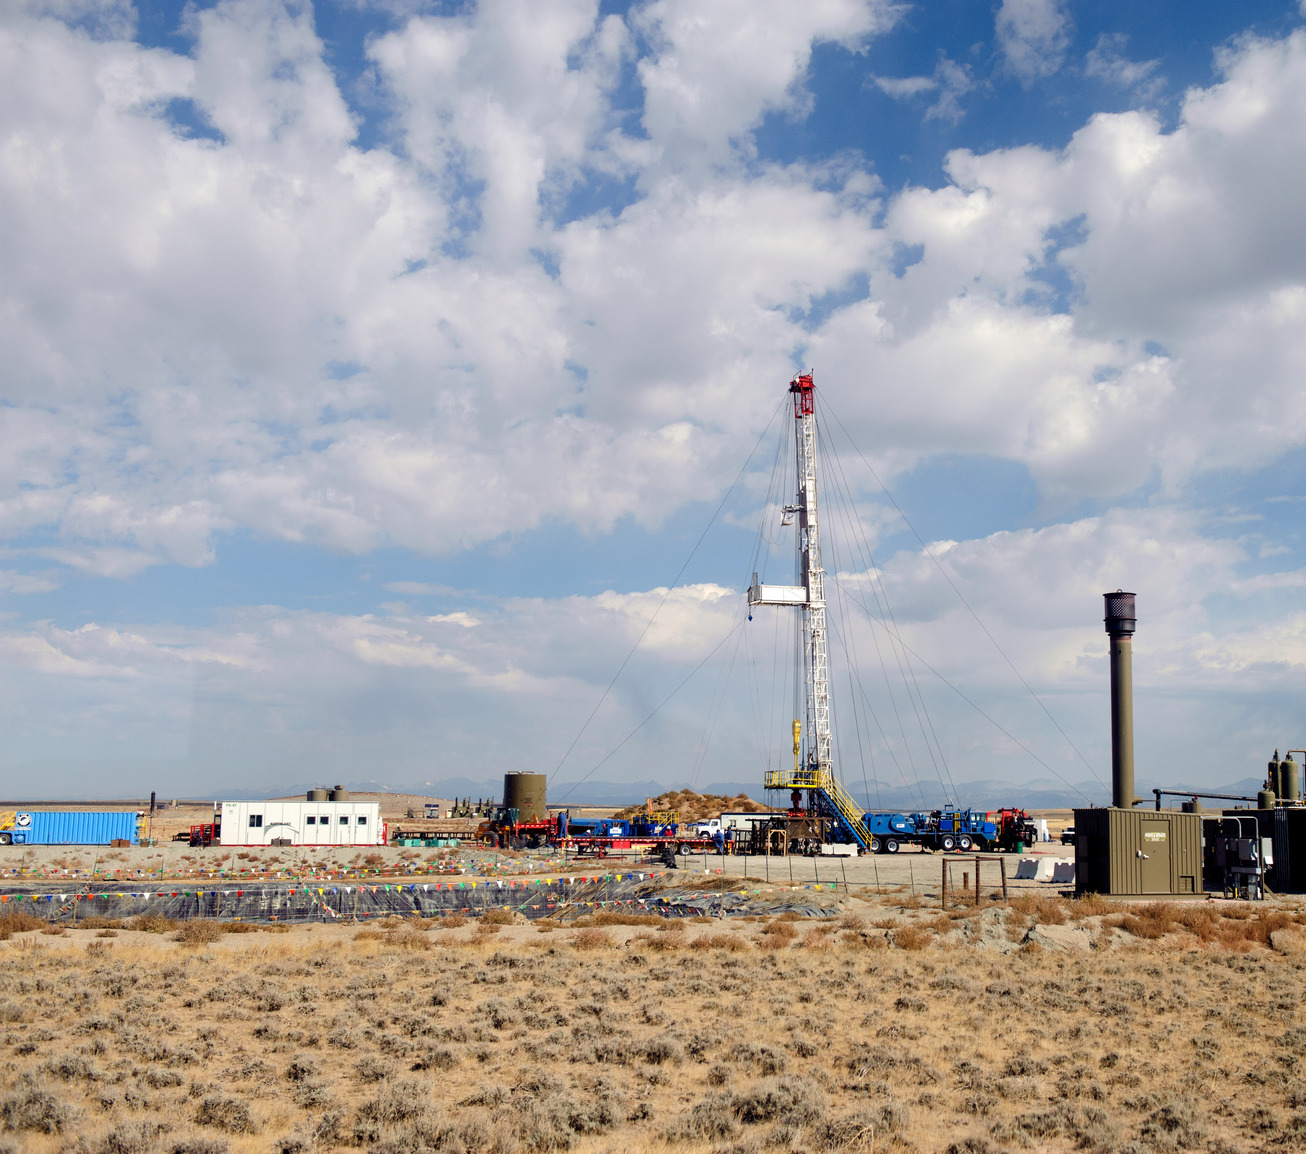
(848, 643)
(573, 785)
(881, 600)
(753, 694)
(884, 488)
(843, 635)
(670, 589)
(997, 725)
(715, 709)
(761, 550)
(774, 489)
(758, 562)
(913, 784)
(913, 683)
(852, 662)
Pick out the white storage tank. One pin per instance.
(302, 823)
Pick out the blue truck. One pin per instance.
(615, 827)
(646, 832)
(946, 829)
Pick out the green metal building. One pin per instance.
(1138, 852)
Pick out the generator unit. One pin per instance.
(1143, 852)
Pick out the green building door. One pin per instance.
(1156, 857)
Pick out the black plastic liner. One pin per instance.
(328, 901)
(325, 901)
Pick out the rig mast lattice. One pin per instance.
(816, 773)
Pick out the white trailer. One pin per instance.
(746, 820)
(302, 823)
(740, 822)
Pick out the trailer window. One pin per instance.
(255, 821)
(311, 820)
(344, 819)
(362, 819)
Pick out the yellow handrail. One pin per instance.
(847, 808)
(794, 779)
(827, 783)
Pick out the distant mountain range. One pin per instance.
(921, 795)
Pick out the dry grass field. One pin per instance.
(889, 1027)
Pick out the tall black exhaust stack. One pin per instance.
(1120, 623)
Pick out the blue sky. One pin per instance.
(371, 366)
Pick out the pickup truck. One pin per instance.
(1068, 836)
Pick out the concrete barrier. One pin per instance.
(1045, 869)
(838, 849)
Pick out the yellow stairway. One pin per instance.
(840, 800)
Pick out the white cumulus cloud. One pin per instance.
(1033, 36)
(555, 283)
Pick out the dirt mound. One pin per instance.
(697, 806)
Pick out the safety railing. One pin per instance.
(838, 797)
(795, 779)
(848, 811)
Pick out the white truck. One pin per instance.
(743, 822)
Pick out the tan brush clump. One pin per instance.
(879, 1028)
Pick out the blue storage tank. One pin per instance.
(888, 824)
(43, 827)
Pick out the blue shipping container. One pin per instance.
(39, 827)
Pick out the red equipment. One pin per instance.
(804, 392)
